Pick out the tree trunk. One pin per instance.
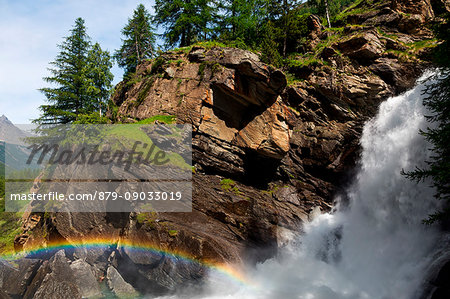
(285, 12)
(183, 39)
(137, 50)
(233, 22)
(328, 14)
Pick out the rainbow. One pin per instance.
(227, 270)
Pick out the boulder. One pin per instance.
(15, 276)
(364, 47)
(85, 279)
(328, 52)
(55, 279)
(118, 285)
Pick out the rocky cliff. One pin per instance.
(270, 150)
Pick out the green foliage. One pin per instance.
(230, 186)
(157, 64)
(438, 103)
(99, 78)
(173, 233)
(10, 227)
(201, 70)
(240, 22)
(167, 119)
(10, 224)
(148, 218)
(442, 53)
(113, 109)
(295, 64)
(227, 184)
(69, 73)
(292, 32)
(269, 47)
(139, 41)
(177, 62)
(82, 76)
(186, 22)
(91, 118)
(354, 7)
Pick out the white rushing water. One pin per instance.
(373, 247)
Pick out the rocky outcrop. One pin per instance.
(224, 93)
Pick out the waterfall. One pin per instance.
(373, 246)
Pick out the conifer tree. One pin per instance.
(241, 20)
(82, 77)
(281, 10)
(139, 41)
(99, 78)
(69, 73)
(185, 21)
(269, 46)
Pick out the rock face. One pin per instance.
(224, 93)
(407, 16)
(285, 151)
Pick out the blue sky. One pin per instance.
(30, 31)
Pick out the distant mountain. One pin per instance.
(13, 150)
(10, 133)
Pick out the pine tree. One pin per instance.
(69, 73)
(139, 41)
(282, 10)
(99, 78)
(269, 46)
(241, 20)
(186, 22)
(82, 76)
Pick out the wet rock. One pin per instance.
(97, 257)
(118, 285)
(15, 275)
(58, 280)
(288, 194)
(85, 279)
(394, 73)
(315, 212)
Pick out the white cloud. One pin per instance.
(31, 31)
